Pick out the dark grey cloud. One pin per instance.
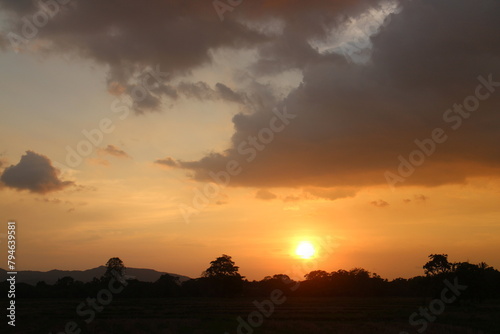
(34, 173)
(202, 91)
(199, 90)
(226, 93)
(354, 120)
(176, 36)
(130, 37)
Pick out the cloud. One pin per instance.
(130, 37)
(177, 36)
(202, 91)
(418, 198)
(314, 193)
(353, 121)
(421, 198)
(265, 195)
(226, 93)
(49, 200)
(113, 151)
(34, 173)
(199, 90)
(379, 203)
(168, 162)
(331, 193)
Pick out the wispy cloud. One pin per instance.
(113, 151)
(265, 195)
(168, 162)
(379, 203)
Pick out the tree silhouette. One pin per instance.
(222, 278)
(223, 266)
(316, 274)
(437, 265)
(114, 267)
(65, 282)
(167, 286)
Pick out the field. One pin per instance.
(295, 315)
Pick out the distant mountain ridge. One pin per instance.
(50, 277)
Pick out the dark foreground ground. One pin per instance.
(296, 315)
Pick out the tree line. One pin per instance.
(222, 279)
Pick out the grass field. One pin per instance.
(296, 315)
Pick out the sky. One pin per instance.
(167, 133)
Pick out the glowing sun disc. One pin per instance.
(305, 250)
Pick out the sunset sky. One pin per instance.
(167, 133)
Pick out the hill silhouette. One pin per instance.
(51, 277)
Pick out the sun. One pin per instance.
(305, 250)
